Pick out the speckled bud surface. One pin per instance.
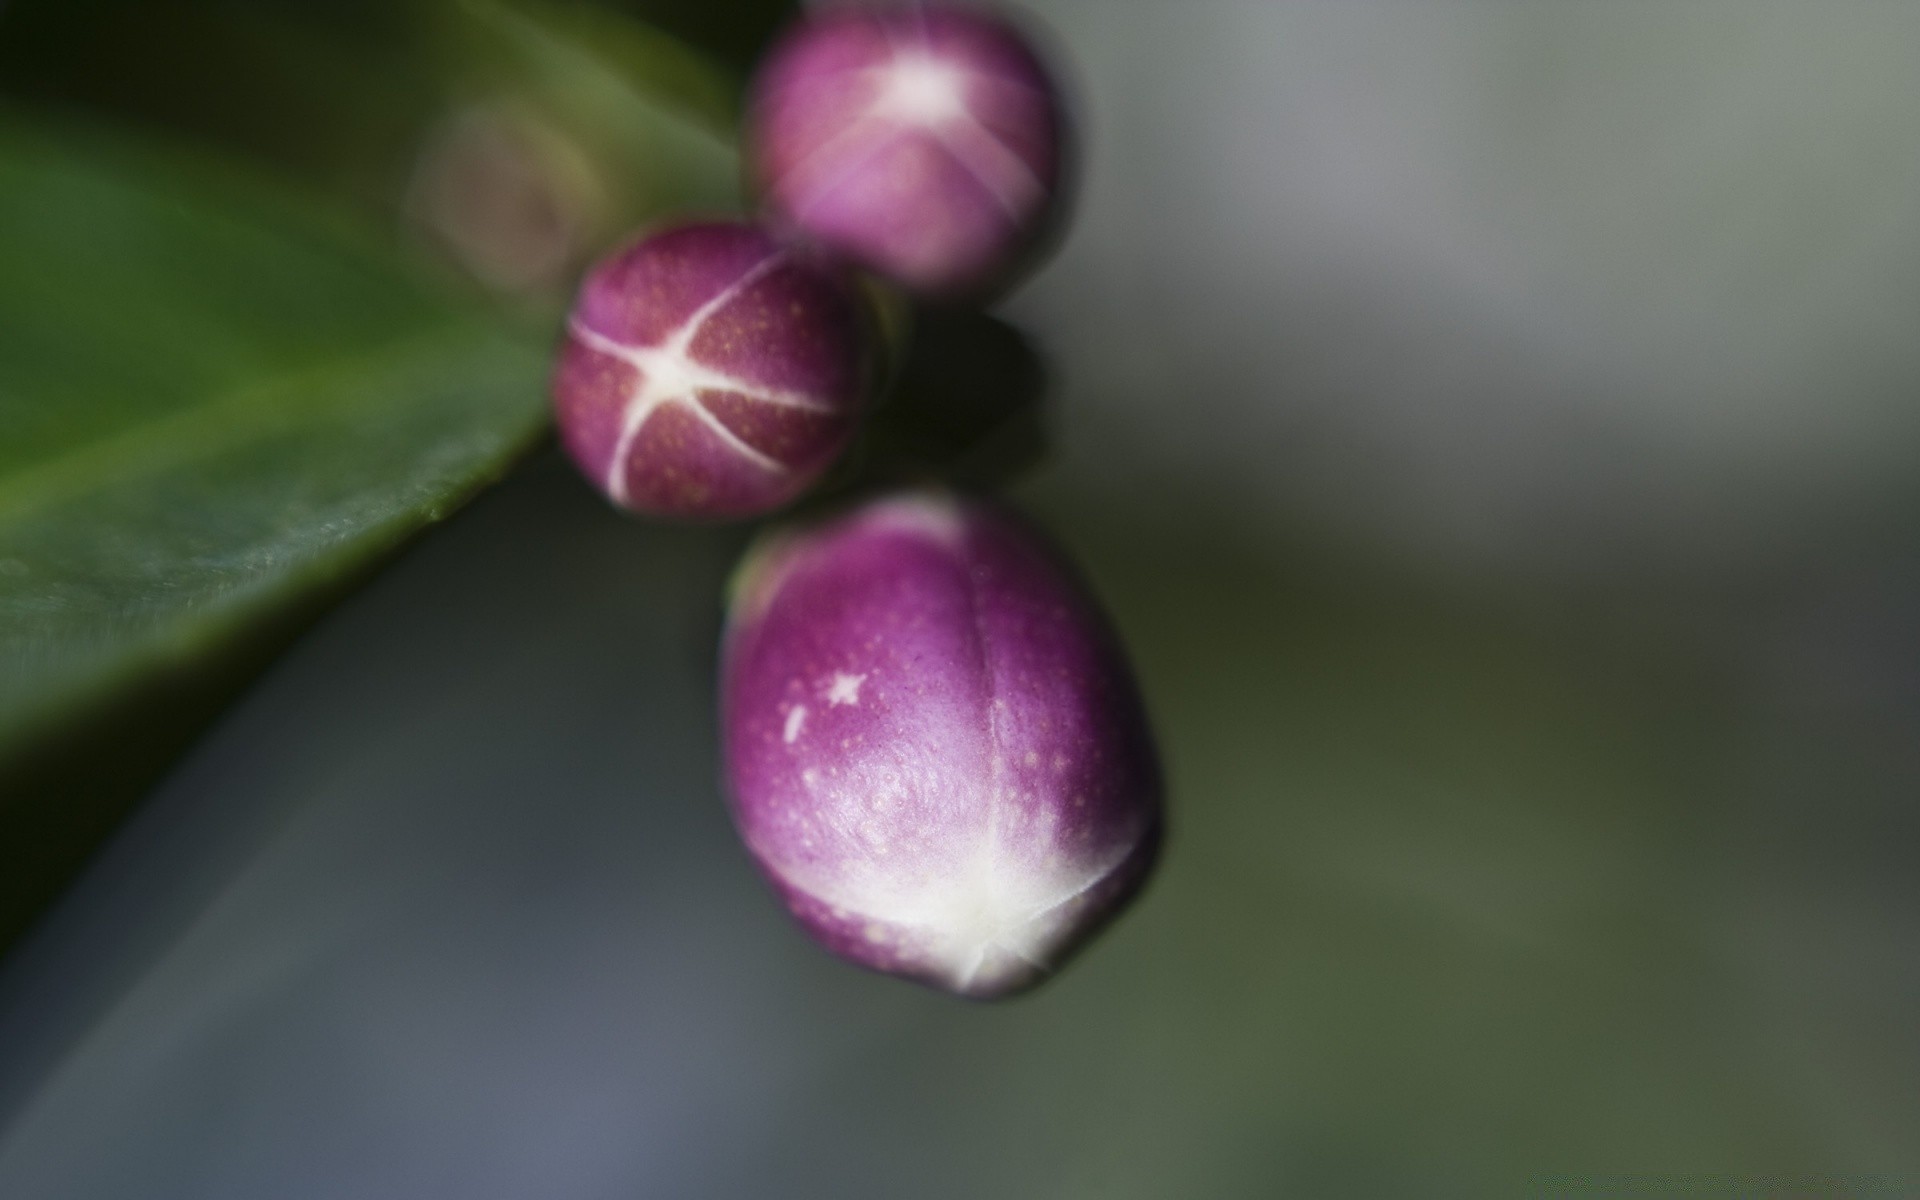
(709, 371)
(936, 750)
(920, 140)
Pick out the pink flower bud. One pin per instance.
(709, 371)
(920, 140)
(936, 750)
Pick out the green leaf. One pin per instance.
(217, 410)
(656, 119)
(222, 406)
(608, 61)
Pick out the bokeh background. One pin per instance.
(1495, 427)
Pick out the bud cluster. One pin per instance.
(935, 750)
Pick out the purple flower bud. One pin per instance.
(709, 371)
(936, 750)
(921, 140)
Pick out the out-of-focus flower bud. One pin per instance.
(936, 751)
(709, 371)
(923, 141)
(509, 196)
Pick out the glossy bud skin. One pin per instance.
(922, 141)
(710, 371)
(936, 750)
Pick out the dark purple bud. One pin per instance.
(710, 371)
(936, 750)
(921, 140)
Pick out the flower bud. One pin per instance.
(920, 140)
(936, 751)
(709, 371)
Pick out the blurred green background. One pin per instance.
(1492, 425)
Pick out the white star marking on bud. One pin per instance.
(845, 689)
(915, 92)
(669, 374)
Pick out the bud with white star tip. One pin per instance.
(935, 748)
(923, 141)
(710, 371)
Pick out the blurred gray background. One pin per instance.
(1496, 429)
